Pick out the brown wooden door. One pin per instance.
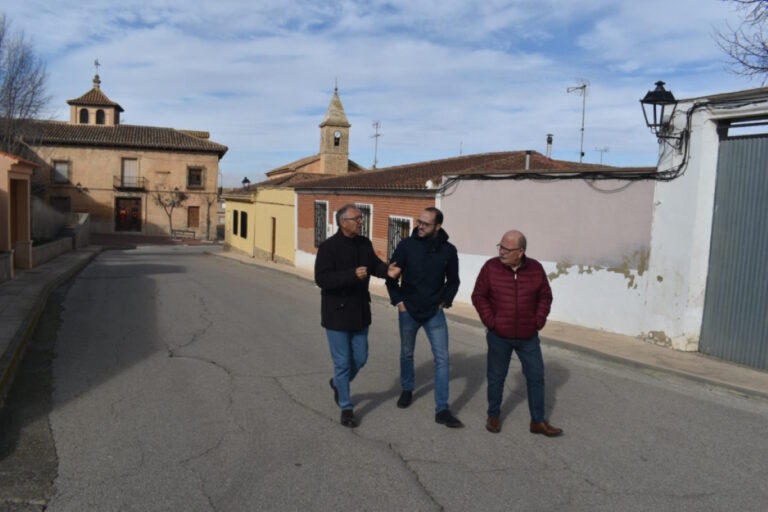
(193, 217)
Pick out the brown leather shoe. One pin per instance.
(546, 429)
(493, 424)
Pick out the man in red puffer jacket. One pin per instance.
(513, 298)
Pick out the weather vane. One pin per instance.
(96, 64)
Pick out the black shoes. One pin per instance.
(406, 397)
(445, 417)
(335, 391)
(348, 418)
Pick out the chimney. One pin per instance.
(527, 159)
(549, 145)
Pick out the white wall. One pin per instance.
(682, 223)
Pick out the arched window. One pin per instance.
(99, 116)
(83, 116)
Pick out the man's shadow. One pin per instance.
(471, 370)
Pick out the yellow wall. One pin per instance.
(235, 240)
(277, 203)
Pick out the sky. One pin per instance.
(442, 77)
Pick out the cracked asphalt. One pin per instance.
(180, 381)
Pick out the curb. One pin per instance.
(10, 360)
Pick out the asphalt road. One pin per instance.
(180, 381)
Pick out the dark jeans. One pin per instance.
(529, 352)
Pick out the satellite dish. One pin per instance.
(429, 184)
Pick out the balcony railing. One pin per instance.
(130, 183)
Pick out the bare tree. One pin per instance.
(210, 200)
(747, 45)
(23, 82)
(169, 199)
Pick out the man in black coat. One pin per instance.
(343, 267)
(430, 281)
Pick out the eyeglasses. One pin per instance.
(359, 218)
(425, 224)
(506, 250)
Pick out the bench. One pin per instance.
(183, 233)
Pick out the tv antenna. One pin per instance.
(602, 150)
(581, 90)
(375, 137)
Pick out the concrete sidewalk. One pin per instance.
(23, 299)
(615, 347)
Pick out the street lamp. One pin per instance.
(654, 105)
(246, 182)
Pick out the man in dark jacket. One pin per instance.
(513, 298)
(430, 280)
(343, 267)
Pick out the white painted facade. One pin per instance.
(682, 217)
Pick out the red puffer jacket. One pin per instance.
(513, 304)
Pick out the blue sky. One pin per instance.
(440, 76)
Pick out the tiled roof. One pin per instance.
(51, 133)
(292, 166)
(94, 98)
(293, 179)
(413, 177)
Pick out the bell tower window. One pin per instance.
(336, 138)
(99, 116)
(83, 116)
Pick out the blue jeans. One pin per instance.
(437, 332)
(349, 351)
(529, 352)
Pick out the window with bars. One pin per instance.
(194, 177)
(365, 211)
(399, 228)
(321, 221)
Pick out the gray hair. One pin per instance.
(342, 211)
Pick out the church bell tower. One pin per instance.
(334, 138)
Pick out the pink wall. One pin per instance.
(602, 223)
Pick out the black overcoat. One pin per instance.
(345, 303)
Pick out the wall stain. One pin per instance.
(659, 338)
(562, 270)
(637, 259)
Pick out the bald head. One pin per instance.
(514, 238)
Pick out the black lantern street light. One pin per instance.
(654, 105)
(246, 182)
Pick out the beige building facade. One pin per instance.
(131, 179)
